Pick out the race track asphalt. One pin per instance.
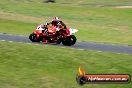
(80, 45)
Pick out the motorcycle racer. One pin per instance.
(59, 24)
(56, 33)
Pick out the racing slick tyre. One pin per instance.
(73, 39)
(33, 38)
(70, 40)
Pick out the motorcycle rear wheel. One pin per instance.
(70, 40)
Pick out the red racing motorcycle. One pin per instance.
(48, 34)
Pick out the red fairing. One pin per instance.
(52, 29)
(68, 31)
(38, 32)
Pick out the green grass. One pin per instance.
(40, 66)
(96, 24)
(20, 27)
(115, 2)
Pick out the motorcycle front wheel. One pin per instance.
(33, 38)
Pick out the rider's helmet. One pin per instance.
(55, 21)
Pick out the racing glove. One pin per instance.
(57, 29)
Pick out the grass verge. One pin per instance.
(39, 66)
